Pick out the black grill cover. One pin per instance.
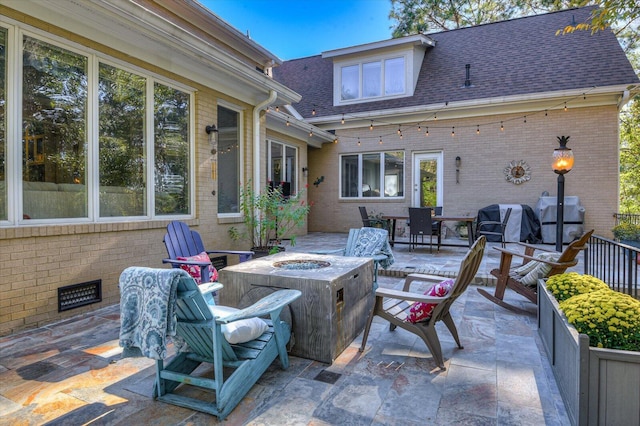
(529, 227)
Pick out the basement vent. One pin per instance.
(76, 295)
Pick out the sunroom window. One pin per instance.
(132, 160)
(372, 175)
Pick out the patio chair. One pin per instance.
(367, 242)
(523, 278)
(368, 222)
(396, 306)
(238, 344)
(491, 227)
(182, 243)
(421, 224)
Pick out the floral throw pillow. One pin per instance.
(194, 270)
(421, 311)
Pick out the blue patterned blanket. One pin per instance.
(371, 242)
(147, 316)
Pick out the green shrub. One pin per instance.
(611, 319)
(564, 286)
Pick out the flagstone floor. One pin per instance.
(71, 373)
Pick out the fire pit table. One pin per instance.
(337, 296)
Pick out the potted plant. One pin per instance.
(269, 217)
(627, 233)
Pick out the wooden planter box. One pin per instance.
(598, 386)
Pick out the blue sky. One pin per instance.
(299, 28)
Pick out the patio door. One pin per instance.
(427, 179)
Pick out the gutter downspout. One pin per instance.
(256, 138)
(623, 100)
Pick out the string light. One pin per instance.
(419, 129)
(545, 113)
(288, 124)
(435, 116)
(277, 109)
(525, 118)
(371, 126)
(501, 127)
(399, 130)
(342, 121)
(311, 133)
(335, 140)
(453, 131)
(358, 141)
(380, 142)
(478, 129)
(313, 111)
(427, 132)
(565, 106)
(400, 135)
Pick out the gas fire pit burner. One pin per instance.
(301, 264)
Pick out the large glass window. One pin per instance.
(54, 148)
(372, 175)
(283, 160)
(394, 76)
(373, 79)
(171, 149)
(132, 160)
(228, 160)
(3, 123)
(350, 82)
(121, 103)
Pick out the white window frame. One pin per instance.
(241, 139)
(401, 184)
(407, 56)
(16, 31)
(294, 182)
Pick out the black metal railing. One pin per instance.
(614, 263)
(627, 218)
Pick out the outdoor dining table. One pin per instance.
(394, 218)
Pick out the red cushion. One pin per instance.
(421, 311)
(194, 270)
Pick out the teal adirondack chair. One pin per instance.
(202, 331)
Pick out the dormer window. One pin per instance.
(377, 71)
(373, 79)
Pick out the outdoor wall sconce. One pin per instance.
(305, 171)
(458, 162)
(212, 131)
(562, 164)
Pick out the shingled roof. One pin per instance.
(516, 57)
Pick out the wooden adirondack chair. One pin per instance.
(236, 367)
(181, 241)
(395, 305)
(526, 285)
(366, 242)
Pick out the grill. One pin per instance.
(573, 215)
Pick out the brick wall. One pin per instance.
(593, 135)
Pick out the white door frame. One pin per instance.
(417, 158)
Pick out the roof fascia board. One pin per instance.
(477, 108)
(414, 40)
(195, 13)
(190, 56)
(298, 129)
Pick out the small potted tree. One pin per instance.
(268, 218)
